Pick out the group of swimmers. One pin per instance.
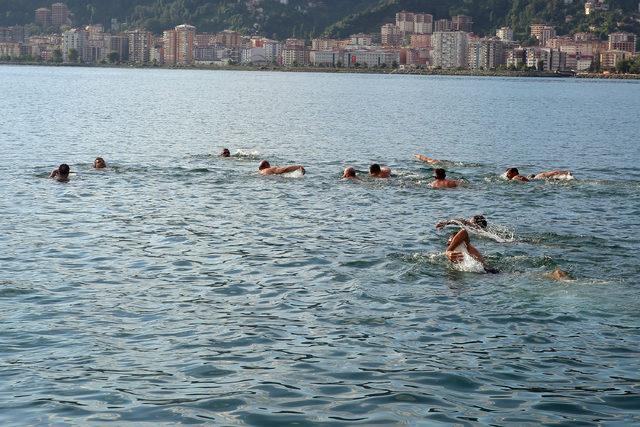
(459, 248)
(61, 173)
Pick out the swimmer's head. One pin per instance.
(511, 172)
(99, 163)
(63, 170)
(374, 169)
(440, 173)
(480, 221)
(225, 153)
(264, 165)
(349, 173)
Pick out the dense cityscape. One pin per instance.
(413, 41)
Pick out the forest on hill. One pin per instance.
(305, 18)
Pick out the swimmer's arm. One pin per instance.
(455, 221)
(458, 239)
(475, 253)
(425, 159)
(287, 169)
(521, 178)
(551, 174)
(54, 173)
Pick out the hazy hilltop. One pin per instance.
(304, 18)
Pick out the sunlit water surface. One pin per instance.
(179, 287)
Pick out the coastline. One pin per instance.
(389, 71)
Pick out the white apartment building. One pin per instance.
(391, 35)
(74, 39)
(505, 34)
(450, 49)
(253, 55)
(422, 23)
(485, 54)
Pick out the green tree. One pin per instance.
(73, 55)
(113, 57)
(541, 65)
(57, 56)
(623, 66)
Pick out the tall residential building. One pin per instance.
(185, 35)
(547, 58)
(140, 43)
(505, 34)
(404, 22)
(623, 41)
(610, 58)
(442, 25)
(391, 35)
(421, 41)
(170, 40)
(543, 33)
(272, 51)
(361, 39)
(60, 15)
(15, 34)
(323, 44)
(449, 49)
(422, 23)
(462, 23)
(76, 39)
(295, 56)
(43, 17)
(486, 54)
(294, 43)
(230, 39)
(118, 44)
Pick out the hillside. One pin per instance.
(304, 18)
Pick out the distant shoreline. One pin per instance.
(387, 71)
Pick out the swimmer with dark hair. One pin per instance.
(459, 246)
(349, 173)
(513, 174)
(225, 153)
(99, 163)
(266, 169)
(477, 222)
(61, 174)
(379, 172)
(441, 180)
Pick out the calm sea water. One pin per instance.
(179, 287)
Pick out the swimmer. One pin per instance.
(428, 160)
(459, 245)
(477, 222)
(266, 169)
(225, 153)
(513, 174)
(61, 174)
(99, 163)
(349, 173)
(559, 275)
(442, 181)
(379, 172)
(553, 175)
